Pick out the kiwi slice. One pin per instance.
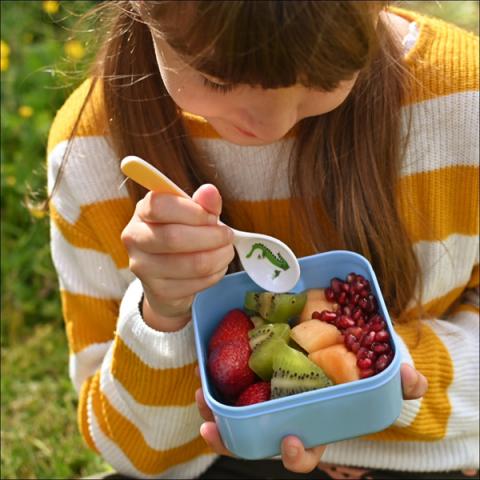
(294, 373)
(261, 358)
(275, 307)
(258, 334)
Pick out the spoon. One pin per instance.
(268, 262)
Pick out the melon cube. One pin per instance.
(338, 363)
(316, 302)
(313, 335)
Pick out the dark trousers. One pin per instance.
(232, 468)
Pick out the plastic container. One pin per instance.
(316, 417)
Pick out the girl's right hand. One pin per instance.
(176, 249)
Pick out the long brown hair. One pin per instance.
(344, 169)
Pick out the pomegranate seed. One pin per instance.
(382, 336)
(367, 373)
(335, 307)
(351, 277)
(363, 303)
(361, 322)
(336, 285)
(328, 316)
(346, 310)
(376, 318)
(369, 339)
(349, 340)
(346, 287)
(345, 322)
(316, 315)
(380, 347)
(330, 294)
(364, 292)
(342, 298)
(356, 313)
(382, 362)
(362, 352)
(364, 363)
(372, 304)
(355, 347)
(371, 355)
(355, 331)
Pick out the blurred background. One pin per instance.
(44, 54)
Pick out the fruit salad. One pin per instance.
(283, 344)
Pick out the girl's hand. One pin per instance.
(177, 249)
(295, 456)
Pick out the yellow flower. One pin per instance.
(25, 111)
(4, 63)
(10, 180)
(4, 49)
(74, 49)
(37, 212)
(50, 6)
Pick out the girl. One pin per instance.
(330, 125)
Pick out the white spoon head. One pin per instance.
(269, 263)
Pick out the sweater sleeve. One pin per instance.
(136, 385)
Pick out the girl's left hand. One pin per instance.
(295, 456)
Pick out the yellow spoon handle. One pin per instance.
(149, 177)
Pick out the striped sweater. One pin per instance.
(136, 385)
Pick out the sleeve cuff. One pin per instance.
(157, 349)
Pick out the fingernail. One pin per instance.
(291, 452)
(212, 219)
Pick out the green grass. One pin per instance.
(39, 436)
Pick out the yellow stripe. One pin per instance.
(88, 320)
(431, 358)
(82, 413)
(152, 386)
(466, 307)
(131, 441)
(444, 59)
(93, 121)
(99, 227)
(447, 196)
(475, 277)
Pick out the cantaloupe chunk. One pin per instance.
(316, 301)
(313, 335)
(339, 364)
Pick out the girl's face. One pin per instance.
(242, 114)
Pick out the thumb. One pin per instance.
(208, 197)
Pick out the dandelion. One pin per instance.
(25, 111)
(4, 56)
(10, 180)
(36, 212)
(74, 50)
(50, 7)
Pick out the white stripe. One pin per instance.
(92, 174)
(85, 363)
(156, 349)
(85, 271)
(122, 464)
(444, 133)
(446, 265)
(448, 454)
(161, 427)
(460, 337)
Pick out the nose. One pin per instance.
(273, 113)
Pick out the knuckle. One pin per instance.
(202, 264)
(170, 237)
(127, 237)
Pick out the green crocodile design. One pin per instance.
(277, 260)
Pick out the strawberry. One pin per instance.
(255, 393)
(234, 325)
(228, 368)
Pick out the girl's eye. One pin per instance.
(218, 87)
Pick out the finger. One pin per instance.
(298, 459)
(162, 208)
(205, 412)
(210, 434)
(174, 290)
(175, 238)
(182, 266)
(208, 197)
(414, 384)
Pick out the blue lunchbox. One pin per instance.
(317, 417)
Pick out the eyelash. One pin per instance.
(217, 86)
